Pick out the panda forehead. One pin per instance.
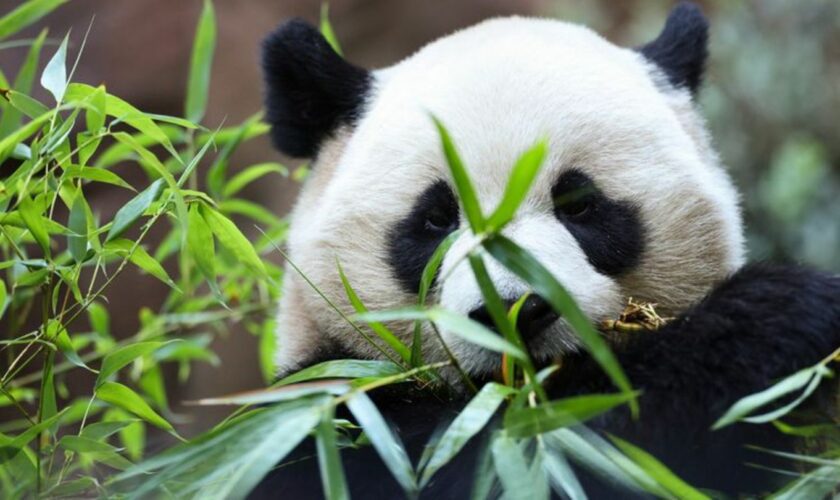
(501, 86)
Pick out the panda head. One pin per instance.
(630, 202)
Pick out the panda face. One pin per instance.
(630, 202)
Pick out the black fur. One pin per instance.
(758, 326)
(681, 49)
(609, 232)
(310, 90)
(413, 240)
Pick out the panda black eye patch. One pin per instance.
(609, 232)
(413, 240)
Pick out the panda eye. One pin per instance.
(439, 220)
(575, 203)
(573, 206)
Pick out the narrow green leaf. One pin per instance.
(524, 265)
(8, 143)
(102, 430)
(123, 397)
(329, 461)
(232, 239)
(25, 14)
(4, 296)
(77, 222)
(343, 368)
(117, 359)
(95, 113)
(200, 63)
(327, 29)
(138, 256)
(534, 420)
(250, 174)
(57, 333)
(512, 469)
(229, 461)
(384, 441)
(603, 460)
(474, 332)
(803, 379)
(467, 424)
(201, 245)
(54, 77)
(123, 111)
(31, 216)
(132, 210)
(521, 177)
(48, 406)
(10, 119)
(659, 471)
(561, 475)
(81, 444)
(96, 175)
(25, 104)
(466, 192)
(461, 326)
(381, 331)
(430, 272)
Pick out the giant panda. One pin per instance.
(660, 222)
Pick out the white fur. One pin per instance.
(499, 87)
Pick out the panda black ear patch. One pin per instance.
(310, 90)
(681, 49)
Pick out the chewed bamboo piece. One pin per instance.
(636, 317)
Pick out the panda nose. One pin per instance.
(535, 316)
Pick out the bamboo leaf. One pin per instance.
(381, 331)
(511, 467)
(467, 424)
(54, 77)
(230, 460)
(25, 14)
(123, 111)
(466, 192)
(250, 174)
(138, 256)
(805, 378)
(77, 223)
(521, 177)
(384, 441)
(524, 265)
(201, 62)
(31, 216)
(96, 175)
(231, 238)
(327, 29)
(120, 357)
(10, 119)
(658, 471)
(456, 324)
(132, 210)
(534, 420)
(329, 461)
(123, 397)
(343, 368)
(201, 245)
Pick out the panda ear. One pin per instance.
(310, 89)
(681, 49)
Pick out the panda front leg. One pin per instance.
(758, 326)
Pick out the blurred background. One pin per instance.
(772, 99)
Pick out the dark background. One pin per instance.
(772, 97)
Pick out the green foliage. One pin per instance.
(61, 252)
